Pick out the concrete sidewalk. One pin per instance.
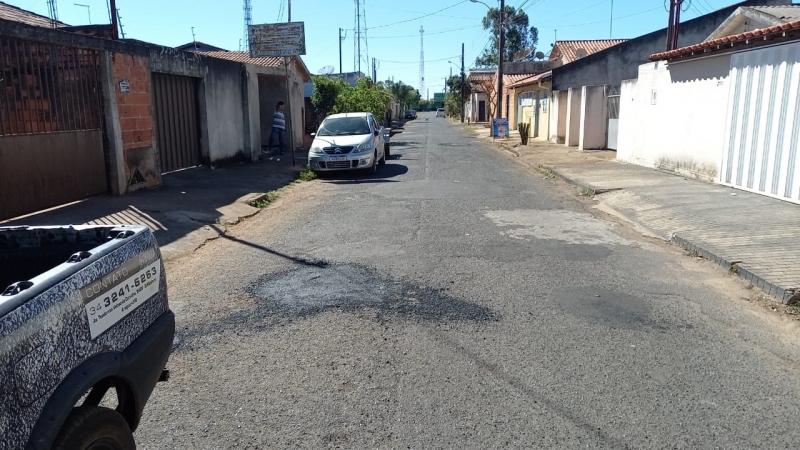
(756, 236)
(191, 206)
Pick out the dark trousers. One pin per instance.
(279, 134)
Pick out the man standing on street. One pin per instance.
(278, 128)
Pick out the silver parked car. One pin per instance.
(440, 112)
(349, 141)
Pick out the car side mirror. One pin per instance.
(377, 133)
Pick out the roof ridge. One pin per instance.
(30, 12)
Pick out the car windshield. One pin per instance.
(344, 126)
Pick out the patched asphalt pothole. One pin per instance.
(346, 287)
(308, 290)
(601, 306)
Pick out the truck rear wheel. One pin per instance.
(95, 427)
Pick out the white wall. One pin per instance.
(558, 117)
(594, 118)
(673, 117)
(573, 130)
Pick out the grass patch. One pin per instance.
(693, 254)
(547, 173)
(306, 175)
(734, 269)
(268, 198)
(587, 192)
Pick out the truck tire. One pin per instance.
(94, 427)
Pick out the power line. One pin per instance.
(417, 62)
(435, 32)
(420, 17)
(603, 21)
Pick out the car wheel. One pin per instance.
(387, 152)
(95, 427)
(373, 169)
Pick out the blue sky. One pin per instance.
(392, 26)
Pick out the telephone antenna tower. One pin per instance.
(53, 10)
(248, 20)
(421, 60)
(360, 48)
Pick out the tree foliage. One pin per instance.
(326, 93)
(520, 39)
(404, 93)
(366, 96)
(452, 102)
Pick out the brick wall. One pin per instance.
(135, 109)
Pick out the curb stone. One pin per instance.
(781, 293)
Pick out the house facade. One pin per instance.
(84, 115)
(587, 91)
(731, 105)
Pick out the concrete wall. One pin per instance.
(224, 124)
(573, 127)
(673, 116)
(594, 117)
(253, 112)
(558, 117)
(622, 61)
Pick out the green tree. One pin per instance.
(366, 96)
(521, 38)
(452, 101)
(326, 93)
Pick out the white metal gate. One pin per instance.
(763, 123)
(613, 119)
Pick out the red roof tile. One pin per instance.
(728, 42)
(568, 51)
(244, 57)
(531, 79)
(9, 12)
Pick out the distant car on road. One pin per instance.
(411, 114)
(440, 112)
(349, 141)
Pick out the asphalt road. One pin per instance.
(457, 300)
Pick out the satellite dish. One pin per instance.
(327, 70)
(539, 55)
(581, 53)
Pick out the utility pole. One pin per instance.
(289, 8)
(340, 52)
(500, 55)
(462, 83)
(114, 18)
(677, 23)
(611, 26)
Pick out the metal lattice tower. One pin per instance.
(53, 10)
(360, 48)
(248, 20)
(421, 61)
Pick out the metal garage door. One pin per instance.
(176, 122)
(763, 123)
(51, 139)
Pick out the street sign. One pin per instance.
(500, 128)
(438, 97)
(277, 39)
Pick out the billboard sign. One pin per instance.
(277, 39)
(500, 128)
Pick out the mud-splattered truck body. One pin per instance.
(84, 324)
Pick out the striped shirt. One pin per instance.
(278, 121)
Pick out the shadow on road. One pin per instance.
(317, 263)
(351, 177)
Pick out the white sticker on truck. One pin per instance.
(117, 294)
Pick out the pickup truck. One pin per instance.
(85, 334)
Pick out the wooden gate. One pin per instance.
(51, 121)
(176, 122)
